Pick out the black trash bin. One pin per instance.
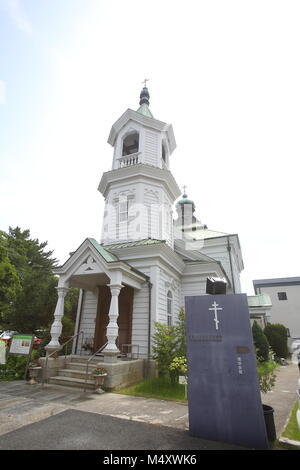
(270, 423)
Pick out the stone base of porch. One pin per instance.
(123, 373)
(71, 371)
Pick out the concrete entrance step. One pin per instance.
(84, 359)
(75, 373)
(82, 366)
(72, 382)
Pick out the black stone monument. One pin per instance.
(223, 388)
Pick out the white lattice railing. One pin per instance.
(129, 160)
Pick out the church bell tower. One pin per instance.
(139, 190)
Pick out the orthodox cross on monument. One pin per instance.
(215, 307)
(145, 82)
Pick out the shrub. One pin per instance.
(260, 342)
(278, 338)
(99, 371)
(15, 367)
(178, 367)
(169, 342)
(164, 347)
(266, 375)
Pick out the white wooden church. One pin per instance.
(148, 259)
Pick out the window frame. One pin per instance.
(169, 308)
(123, 204)
(123, 213)
(282, 296)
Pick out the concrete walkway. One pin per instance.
(283, 395)
(22, 404)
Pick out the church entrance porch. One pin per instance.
(93, 269)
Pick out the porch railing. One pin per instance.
(130, 353)
(88, 363)
(63, 346)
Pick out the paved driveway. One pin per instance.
(80, 430)
(22, 404)
(32, 409)
(33, 417)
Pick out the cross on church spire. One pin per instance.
(184, 190)
(145, 82)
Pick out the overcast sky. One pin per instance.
(226, 74)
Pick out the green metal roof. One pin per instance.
(260, 300)
(185, 201)
(144, 102)
(144, 242)
(109, 257)
(144, 109)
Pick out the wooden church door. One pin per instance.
(124, 319)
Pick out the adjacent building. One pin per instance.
(260, 309)
(285, 298)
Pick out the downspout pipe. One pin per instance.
(149, 319)
(230, 261)
(78, 320)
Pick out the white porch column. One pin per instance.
(111, 351)
(56, 327)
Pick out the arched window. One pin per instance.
(169, 308)
(163, 152)
(130, 144)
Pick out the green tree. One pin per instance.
(70, 311)
(278, 337)
(71, 302)
(260, 342)
(9, 283)
(35, 301)
(180, 330)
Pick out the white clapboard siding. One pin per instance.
(88, 316)
(177, 301)
(168, 282)
(140, 318)
(167, 221)
(192, 286)
(151, 214)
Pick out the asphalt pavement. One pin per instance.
(81, 430)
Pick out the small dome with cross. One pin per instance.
(184, 200)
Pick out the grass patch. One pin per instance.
(292, 430)
(285, 446)
(156, 388)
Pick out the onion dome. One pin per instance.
(184, 200)
(144, 96)
(144, 102)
